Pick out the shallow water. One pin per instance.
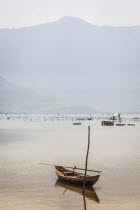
(25, 184)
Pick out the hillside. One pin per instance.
(79, 63)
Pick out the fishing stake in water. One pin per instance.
(86, 159)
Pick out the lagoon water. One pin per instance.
(27, 185)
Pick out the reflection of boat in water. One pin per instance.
(75, 177)
(89, 192)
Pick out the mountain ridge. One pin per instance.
(82, 64)
(65, 18)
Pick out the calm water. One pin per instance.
(25, 184)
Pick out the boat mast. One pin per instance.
(86, 159)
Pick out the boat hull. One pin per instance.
(75, 178)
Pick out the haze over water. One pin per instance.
(25, 184)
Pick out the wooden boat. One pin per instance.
(75, 177)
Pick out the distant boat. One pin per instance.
(75, 177)
(120, 124)
(89, 118)
(131, 124)
(77, 123)
(107, 123)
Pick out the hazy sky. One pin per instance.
(19, 13)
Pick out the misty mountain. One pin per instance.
(82, 64)
(14, 98)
